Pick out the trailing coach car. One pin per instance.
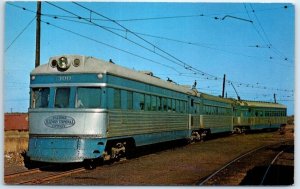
(83, 109)
(254, 115)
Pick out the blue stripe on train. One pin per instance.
(67, 78)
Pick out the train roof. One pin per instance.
(89, 64)
(216, 98)
(261, 104)
(264, 104)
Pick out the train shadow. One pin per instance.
(278, 175)
(157, 148)
(137, 152)
(258, 131)
(51, 167)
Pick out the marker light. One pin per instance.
(63, 63)
(100, 76)
(53, 63)
(76, 62)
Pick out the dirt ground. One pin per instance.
(166, 164)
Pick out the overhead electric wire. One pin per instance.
(108, 45)
(22, 31)
(213, 77)
(151, 50)
(184, 64)
(275, 50)
(203, 45)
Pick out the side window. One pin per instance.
(117, 98)
(153, 103)
(164, 102)
(192, 102)
(159, 103)
(147, 103)
(141, 101)
(169, 105)
(177, 106)
(129, 100)
(62, 96)
(40, 97)
(173, 105)
(183, 106)
(88, 97)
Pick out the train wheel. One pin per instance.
(90, 164)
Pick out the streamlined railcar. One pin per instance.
(84, 109)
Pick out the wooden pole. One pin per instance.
(38, 34)
(224, 80)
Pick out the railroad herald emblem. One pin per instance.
(59, 121)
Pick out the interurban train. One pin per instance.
(84, 109)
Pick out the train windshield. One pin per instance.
(40, 97)
(88, 97)
(62, 98)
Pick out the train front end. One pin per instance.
(67, 118)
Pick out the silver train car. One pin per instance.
(83, 109)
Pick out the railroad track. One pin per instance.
(31, 171)
(30, 176)
(210, 179)
(268, 173)
(52, 176)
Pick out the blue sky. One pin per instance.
(253, 44)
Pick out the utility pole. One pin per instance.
(275, 98)
(38, 34)
(224, 80)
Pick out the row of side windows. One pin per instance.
(141, 101)
(275, 114)
(214, 110)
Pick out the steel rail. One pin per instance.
(53, 176)
(267, 171)
(36, 170)
(238, 158)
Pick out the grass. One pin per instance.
(15, 141)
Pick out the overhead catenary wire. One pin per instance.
(108, 45)
(155, 47)
(268, 42)
(203, 45)
(249, 85)
(185, 65)
(21, 32)
(146, 48)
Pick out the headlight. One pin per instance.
(76, 62)
(63, 63)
